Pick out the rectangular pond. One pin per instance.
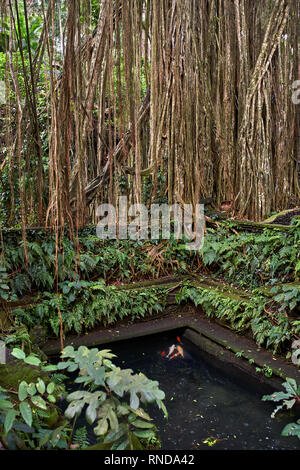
(206, 403)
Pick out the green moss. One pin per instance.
(14, 372)
(274, 216)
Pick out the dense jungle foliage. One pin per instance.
(86, 281)
(162, 102)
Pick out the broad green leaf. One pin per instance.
(26, 412)
(142, 414)
(72, 367)
(18, 353)
(64, 365)
(85, 380)
(123, 409)
(139, 423)
(68, 352)
(290, 385)
(144, 434)
(20, 426)
(114, 435)
(32, 360)
(49, 368)
(74, 408)
(278, 396)
(44, 413)
(121, 444)
(114, 423)
(162, 406)
(291, 429)
(78, 395)
(134, 400)
(31, 389)
(9, 420)
(50, 388)
(101, 427)
(23, 393)
(98, 376)
(39, 402)
(41, 387)
(45, 439)
(5, 404)
(134, 442)
(4, 286)
(91, 412)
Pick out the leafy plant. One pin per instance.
(252, 259)
(292, 429)
(266, 370)
(80, 440)
(4, 287)
(289, 398)
(18, 336)
(27, 416)
(85, 304)
(114, 397)
(289, 297)
(242, 315)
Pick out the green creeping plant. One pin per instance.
(289, 398)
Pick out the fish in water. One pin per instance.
(174, 355)
(178, 353)
(176, 349)
(171, 350)
(179, 340)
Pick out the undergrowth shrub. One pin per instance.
(273, 330)
(247, 259)
(84, 305)
(251, 259)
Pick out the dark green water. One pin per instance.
(202, 401)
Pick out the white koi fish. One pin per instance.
(171, 350)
